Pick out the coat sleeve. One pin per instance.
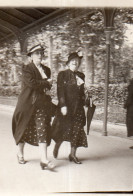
(130, 95)
(61, 89)
(31, 81)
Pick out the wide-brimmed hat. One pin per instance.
(72, 56)
(35, 48)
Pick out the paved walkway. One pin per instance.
(107, 165)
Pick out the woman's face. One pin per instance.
(37, 57)
(74, 64)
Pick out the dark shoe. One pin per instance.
(131, 147)
(21, 160)
(74, 159)
(47, 166)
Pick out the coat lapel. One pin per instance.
(36, 71)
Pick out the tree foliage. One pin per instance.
(75, 32)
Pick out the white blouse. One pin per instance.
(79, 81)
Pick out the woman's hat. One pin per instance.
(35, 48)
(72, 56)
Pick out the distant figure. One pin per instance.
(70, 119)
(129, 106)
(32, 116)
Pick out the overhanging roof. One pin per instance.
(15, 20)
(23, 20)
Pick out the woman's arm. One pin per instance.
(31, 81)
(61, 89)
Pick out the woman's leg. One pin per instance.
(21, 149)
(56, 149)
(73, 151)
(72, 156)
(20, 154)
(43, 152)
(45, 163)
(42, 122)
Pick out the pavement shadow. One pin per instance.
(94, 158)
(117, 153)
(62, 162)
(32, 160)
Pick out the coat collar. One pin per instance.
(36, 70)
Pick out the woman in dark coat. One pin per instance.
(32, 116)
(129, 107)
(70, 120)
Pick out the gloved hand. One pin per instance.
(64, 110)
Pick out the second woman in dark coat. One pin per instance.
(70, 120)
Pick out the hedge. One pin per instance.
(10, 90)
(117, 93)
(117, 96)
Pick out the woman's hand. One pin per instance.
(50, 81)
(47, 92)
(64, 110)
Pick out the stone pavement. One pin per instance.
(107, 165)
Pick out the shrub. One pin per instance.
(10, 90)
(117, 93)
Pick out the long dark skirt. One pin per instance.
(129, 121)
(70, 129)
(38, 129)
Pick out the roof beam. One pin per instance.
(10, 17)
(4, 30)
(53, 16)
(24, 15)
(20, 14)
(10, 27)
(30, 12)
(26, 29)
(46, 11)
(3, 34)
(39, 12)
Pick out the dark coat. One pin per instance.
(70, 95)
(129, 107)
(31, 97)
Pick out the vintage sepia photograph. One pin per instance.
(66, 98)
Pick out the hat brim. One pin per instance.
(79, 57)
(40, 49)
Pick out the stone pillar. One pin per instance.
(89, 65)
(108, 14)
(22, 38)
(108, 34)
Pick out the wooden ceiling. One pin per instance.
(23, 19)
